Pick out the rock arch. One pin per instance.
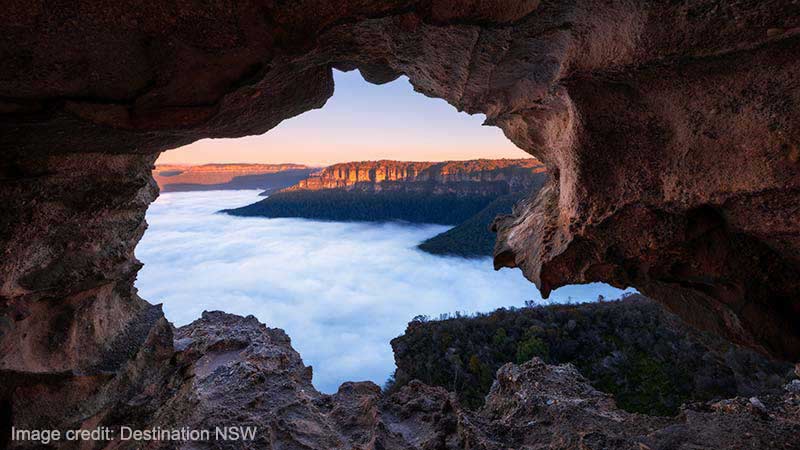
(670, 130)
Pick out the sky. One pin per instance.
(361, 121)
(341, 291)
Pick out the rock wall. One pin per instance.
(670, 131)
(669, 128)
(78, 344)
(69, 225)
(501, 175)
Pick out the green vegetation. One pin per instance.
(631, 348)
(368, 206)
(472, 238)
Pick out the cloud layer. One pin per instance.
(341, 291)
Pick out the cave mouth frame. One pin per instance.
(632, 118)
(512, 292)
(647, 112)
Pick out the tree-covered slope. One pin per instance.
(649, 360)
(472, 238)
(354, 205)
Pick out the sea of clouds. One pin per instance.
(341, 291)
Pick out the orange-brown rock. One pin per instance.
(213, 173)
(512, 174)
(669, 128)
(670, 131)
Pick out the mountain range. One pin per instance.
(209, 177)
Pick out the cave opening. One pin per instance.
(659, 118)
(342, 284)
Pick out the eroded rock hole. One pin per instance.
(343, 253)
(650, 117)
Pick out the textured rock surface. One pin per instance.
(244, 373)
(233, 371)
(69, 226)
(670, 129)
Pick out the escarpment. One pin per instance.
(495, 175)
(206, 177)
(447, 192)
(669, 130)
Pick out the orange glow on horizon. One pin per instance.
(361, 122)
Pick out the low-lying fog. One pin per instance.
(341, 291)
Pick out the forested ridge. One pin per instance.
(354, 205)
(473, 237)
(631, 348)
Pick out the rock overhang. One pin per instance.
(669, 131)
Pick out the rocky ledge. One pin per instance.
(232, 371)
(239, 372)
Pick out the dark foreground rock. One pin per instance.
(232, 371)
(669, 129)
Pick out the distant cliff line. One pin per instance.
(391, 174)
(226, 176)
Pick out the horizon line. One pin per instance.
(340, 162)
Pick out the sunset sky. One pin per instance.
(362, 122)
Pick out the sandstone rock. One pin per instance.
(669, 128)
(530, 406)
(234, 371)
(493, 176)
(245, 373)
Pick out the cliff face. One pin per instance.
(439, 177)
(177, 177)
(418, 192)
